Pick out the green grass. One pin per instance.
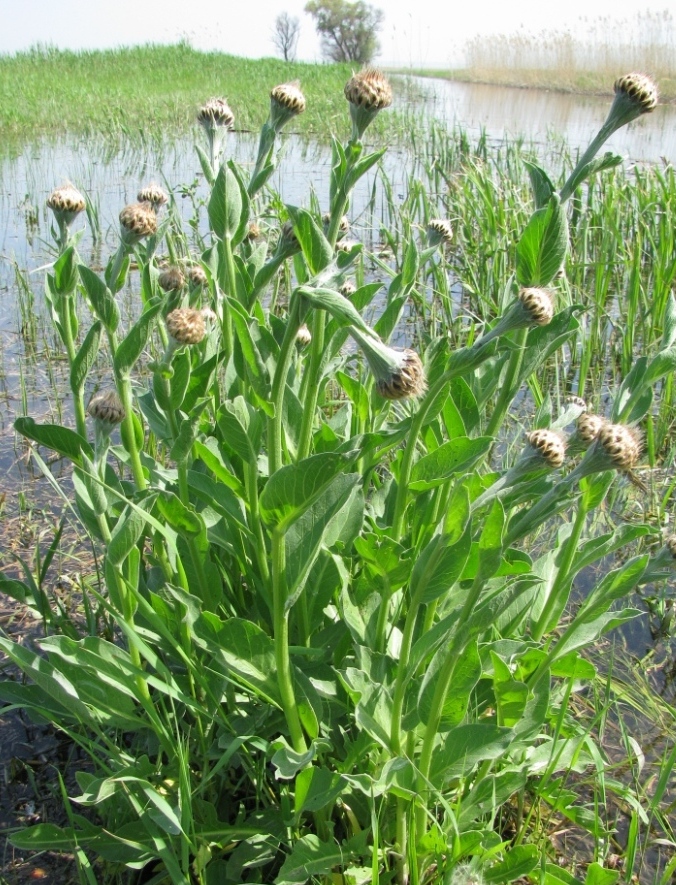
(155, 90)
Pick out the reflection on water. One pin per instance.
(536, 115)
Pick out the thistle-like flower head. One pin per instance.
(288, 243)
(66, 200)
(303, 336)
(137, 220)
(196, 275)
(171, 279)
(589, 426)
(348, 289)
(368, 92)
(398, 373)
(548, 445)
(620, 444)
(638, 89)
(286, 102)
(107, 408)
(216, 114)
(538, 306)
(186, 325)
(153, 194)
(369, 89)
(439, 232)
(343, 225)
(573, 400)
(253, 232)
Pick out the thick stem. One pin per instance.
(508, 390)
(275, 426)
(281, 640)
(568, 555)
(69, 343)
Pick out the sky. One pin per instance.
(416, 33)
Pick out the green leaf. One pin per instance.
(292, 489)
(85, 358)
(466, 674)
(597, 875)
(181, 518)
(316, 248)
(440, 565)
(101, 299)
(125, 535)
(357, 393)
(518, 862)
(466, 746)
(316, 788)
(452, 457)
(317, 526)
(310, 858)
(59, 439)
(225, 204)
(131, 348)
(242, 428)
(243, 651)
(541, 184)
(65, 271)
(541, 251)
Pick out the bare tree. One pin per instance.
(347, 30)
(285, 35)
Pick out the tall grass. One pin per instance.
(152, 88)
(585, 59)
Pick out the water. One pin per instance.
(540, 117)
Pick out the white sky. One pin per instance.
(417, 32)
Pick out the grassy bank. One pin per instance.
(154, 88)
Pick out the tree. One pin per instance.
(285, 35)
(347, 30)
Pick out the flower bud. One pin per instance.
(367, 92)
(639, 90)
(439, 232)
(253, 232)
(303, 336)
(589, 426)
(171, 279)
(343, 224)
(398, 373)
(346, 245)
(573, 400)
(137, 220)
(621, 445)
(66, 202)
(286, 102)
(287, 244)
(215, 114)
(153, 194)
(186, 325)
(107, 408)
(348, 289)
(548, 445)
(538, 306)
(196, 276)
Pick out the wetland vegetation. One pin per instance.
(357, 541)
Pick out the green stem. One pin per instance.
(69, 343)
(251, 480)
(125, 607)
(281, 640)
(275, 426)
(599, 140)
(508, 388)
(311, 383)
(568, 555)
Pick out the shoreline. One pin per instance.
(543, 80)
